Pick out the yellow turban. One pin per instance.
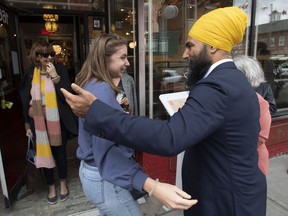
(222, 28)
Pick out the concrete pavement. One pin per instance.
(277, 196)
(277, 182)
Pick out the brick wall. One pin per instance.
(163, 168)
(278, 139)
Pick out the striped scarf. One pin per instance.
(46, 118)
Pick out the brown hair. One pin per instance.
(95, 65)
(37, 48)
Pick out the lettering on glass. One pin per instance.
(4, 17)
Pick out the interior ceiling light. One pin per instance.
(51, 26)
(50, 19)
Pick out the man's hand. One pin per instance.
(79, 103)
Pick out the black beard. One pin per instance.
(198, 67)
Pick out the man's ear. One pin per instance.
(212, 49)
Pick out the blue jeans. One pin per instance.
(110, 199)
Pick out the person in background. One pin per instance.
(266, 82)
(127, 85)
(47, 116)
(127, 98)
(110, 178)
(263, 56)
(255, 75)
(218, 126)
(264, 89)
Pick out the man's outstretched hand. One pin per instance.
(79, 103)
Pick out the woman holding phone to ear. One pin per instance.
(47, 116)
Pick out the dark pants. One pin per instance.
(60, 156)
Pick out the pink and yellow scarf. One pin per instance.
(46, 118)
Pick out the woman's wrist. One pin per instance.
(27, 126)
(150, 185)
(154, 188)
(56, 79)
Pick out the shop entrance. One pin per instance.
(14, 62)
(65, 40)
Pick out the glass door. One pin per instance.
(12, 134)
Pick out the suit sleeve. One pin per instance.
(201, 115)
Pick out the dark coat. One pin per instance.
(218, 128)
(67, 118)
(266, 92)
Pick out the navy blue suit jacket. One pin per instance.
(218, 128)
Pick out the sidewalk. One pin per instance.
(78, 205)
(277, 196)
(153, 208)
(277, 181)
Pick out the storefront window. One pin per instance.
(272, 49)
(96, 26)
(166, 26)
(123, 23)
(4, 56)
(6, 72)
(76, 5)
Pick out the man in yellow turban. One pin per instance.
(219, 29)
(218, 126)
(222, 28)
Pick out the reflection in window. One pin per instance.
(169, 24)
(272, 51)
(281, 41)
(6, 79)
(272, 41)
(83, 5)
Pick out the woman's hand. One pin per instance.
(51, 70)
(124, 101)
(29, 133)
(169, 195)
